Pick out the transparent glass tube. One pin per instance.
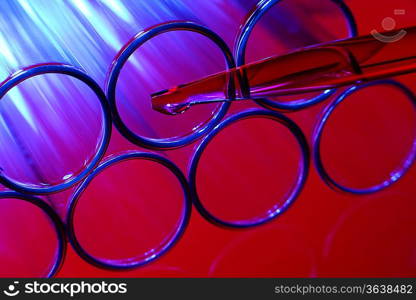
(310, 69)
